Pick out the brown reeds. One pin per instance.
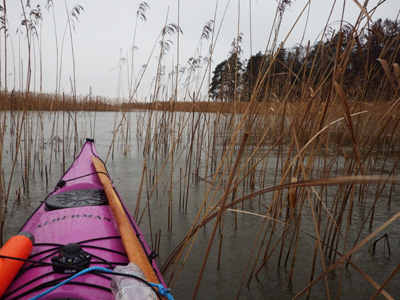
(320, 162)
(315, 151)
(220, 211)
(50, 102)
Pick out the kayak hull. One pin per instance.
(75, 212)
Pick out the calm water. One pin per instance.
(239, 236)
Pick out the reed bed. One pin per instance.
(327, 147)
(15, 101)
(292, 169)
(286, 189)
(311, 155)
(293, 164)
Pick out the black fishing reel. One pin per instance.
(71, 259)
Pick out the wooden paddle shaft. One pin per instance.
(132, 245)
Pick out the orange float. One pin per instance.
(19, 247)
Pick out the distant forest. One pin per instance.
(365, 64)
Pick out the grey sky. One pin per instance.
(105, 30)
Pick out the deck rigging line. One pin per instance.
(161, 290)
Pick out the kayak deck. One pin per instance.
(75, 212)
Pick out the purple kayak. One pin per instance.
(74, 229)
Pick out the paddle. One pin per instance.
(129, 238)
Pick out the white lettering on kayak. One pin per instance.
(75, 216)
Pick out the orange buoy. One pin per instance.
(18, 246)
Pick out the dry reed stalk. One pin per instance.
(3, 118)
(222, 205)
(319, 242)
(14, 163)
(204, 201)
(292, 196)
(387, 280)
(170, 197)
(173, 148)
(349, 123)
(348, 254)
(139, 197)
(116, 130)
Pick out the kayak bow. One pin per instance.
(82, 225)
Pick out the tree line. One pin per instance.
(365, 64)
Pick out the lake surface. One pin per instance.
(242, 238)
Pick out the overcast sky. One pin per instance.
(104, 34)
